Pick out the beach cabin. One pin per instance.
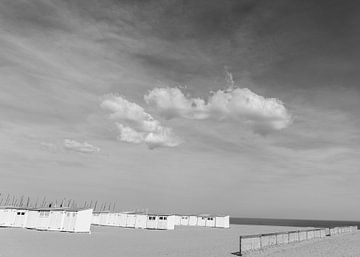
(103, 218)
(43, 220)
(140, 221)
(184, 220)
(177, 220)
(121, 219)
(222, 221)
(152, 222)
(130, 220)
(95, 220)
(20, 218)
(201, 220)
(7, 216)
(166, 222)
(32, 219)
(48, 218)
(210, 222)
(56, 219)
(193, 220)
(77, 220)
(111, 219)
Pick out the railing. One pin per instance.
(260, 241)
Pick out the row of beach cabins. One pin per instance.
(64, 219)
(79, 220)
(158, 221)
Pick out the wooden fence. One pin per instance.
(260, 241)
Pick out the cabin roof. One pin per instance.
(69, 209)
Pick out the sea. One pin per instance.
(293, 222)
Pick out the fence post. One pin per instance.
(240, 247)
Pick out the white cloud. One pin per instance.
(240, 104)
(129, 135)
(137, 126)
(162, 137)
(80, 147)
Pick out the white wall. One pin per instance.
(43, 221)
(140, 221)
(20, 218)
(210, 222)
(56, 220)
(184, 221)
(152, 222)
(201, 221)
(83, 221)
(32, 219)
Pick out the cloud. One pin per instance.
(235, 104)
(80, 147)
(137, 126)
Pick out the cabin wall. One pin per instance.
(192, 220)
(7, 217)
(43, 220)
(20, 218)
(95, 219)
(140, 221)
(32, 219)
(83, 221)
(56, 220)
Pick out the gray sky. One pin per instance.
(133, 101)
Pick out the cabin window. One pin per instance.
(151, 218)
(44, 214)
(18, 213)
(184, 218)
(165, 218)
(23, 213)
(210, 218)
(161, 218)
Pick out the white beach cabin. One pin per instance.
(130, 219)
(177, 220)
(20, 218)
(210, 222)
(7, 216)
(222, 221)
(184, 220)
(103, 218)
(166, 222)
(77, 220)
(193, 220)
(201, 220)
(32, 219)
(152, 221)
(140, 221)
(95, 220)
(121, 219)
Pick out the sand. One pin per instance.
(182, 242)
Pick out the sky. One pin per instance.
(248, 108)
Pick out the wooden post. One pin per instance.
(240, 254)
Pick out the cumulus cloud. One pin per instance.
(137, 126)
(80, 147)
(240, 104)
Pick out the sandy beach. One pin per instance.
(183, 242)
